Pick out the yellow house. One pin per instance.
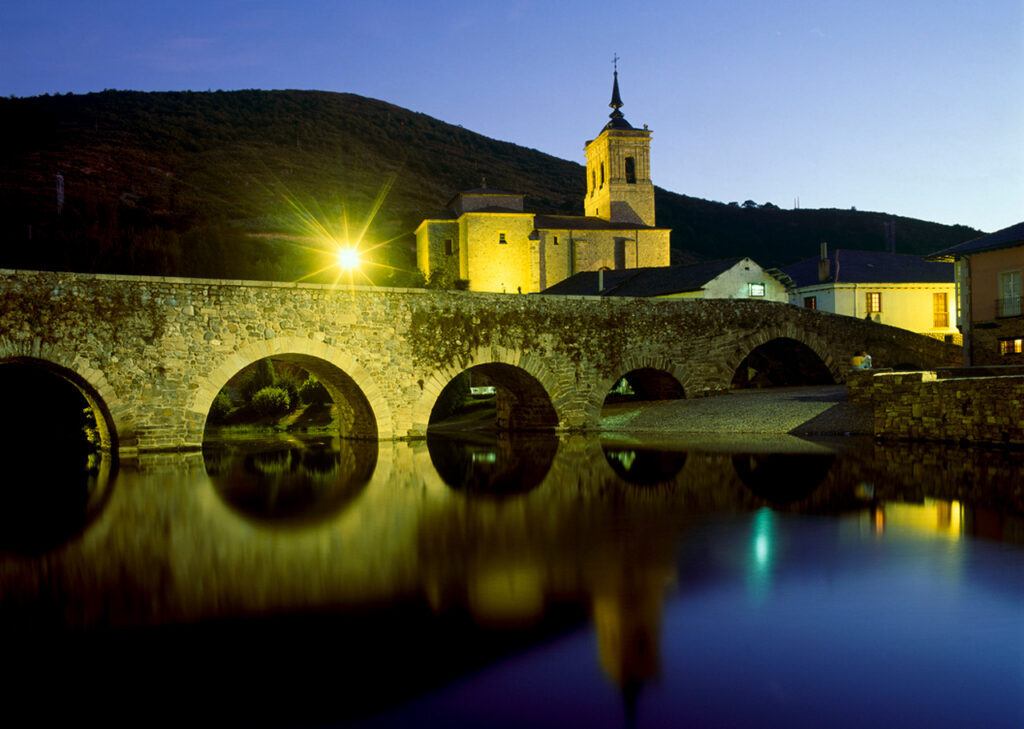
(891, 288)
(486, 241)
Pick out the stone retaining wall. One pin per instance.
(919, 406)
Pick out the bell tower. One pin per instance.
(619, 187)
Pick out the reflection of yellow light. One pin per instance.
(348, 258)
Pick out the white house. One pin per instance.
(735, 278)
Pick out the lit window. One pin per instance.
(630, 170)
(501, 238)
(810, 302)
(1011, 346)
(756, 289)
(940, 310)
(874, 302)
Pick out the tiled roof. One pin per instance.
(1005, 238)
(849, 266)
(582, 222)
(653, 281)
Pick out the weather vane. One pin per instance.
(615, 62)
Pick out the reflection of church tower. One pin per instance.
(619, 186)
(627, 603)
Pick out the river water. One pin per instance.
(521, 581)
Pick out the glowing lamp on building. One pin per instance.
(348, 258)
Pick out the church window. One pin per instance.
(593, 181)
(501, 238)
(631, 170)
(602, 174)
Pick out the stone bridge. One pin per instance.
(150, 354)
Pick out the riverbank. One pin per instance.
(802, 411)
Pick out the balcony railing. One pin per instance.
(1008, 307)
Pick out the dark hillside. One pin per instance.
(236, 183)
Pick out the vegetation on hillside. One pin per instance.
(257, 184)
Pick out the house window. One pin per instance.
(501, 238)
(874, 302)
(810, 302)
(449, 246)
(1011, 346)
(755, 289)
(1008, 303)
(940, 311)
(630, 170)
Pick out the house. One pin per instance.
(896, 289)
(988, 281)
(735, 278)
(485, 240)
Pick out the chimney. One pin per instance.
(824, 265)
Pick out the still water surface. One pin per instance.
(522, 581)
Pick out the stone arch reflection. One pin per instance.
(492, 464)
(293, 483)
(782, 478)
(493, 396)
(782, 362)
(644, 466)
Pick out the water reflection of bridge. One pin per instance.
(179, 539)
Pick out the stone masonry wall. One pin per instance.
(153, 352)
(918, 406)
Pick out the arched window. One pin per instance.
(630, 170)
(602, 174)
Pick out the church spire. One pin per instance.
(618, 121)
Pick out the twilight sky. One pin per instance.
(911, 107)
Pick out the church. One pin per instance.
(486, 241)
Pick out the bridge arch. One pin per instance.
(364, 410)
(811, 341)
(662, 378)
(523, 373)
(113, 421)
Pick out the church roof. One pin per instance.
(582, 222)
(652, 281)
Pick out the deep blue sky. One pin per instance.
(904, 106)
